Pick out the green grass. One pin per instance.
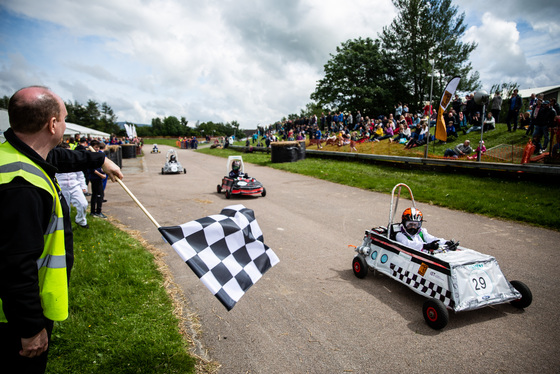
(162, 141)
(121, 317)
(535, 203)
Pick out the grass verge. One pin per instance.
(121, 316)
(534, 203)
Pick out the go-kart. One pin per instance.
(455, 278)
(241, 184)
(155, 149)
(172, 165)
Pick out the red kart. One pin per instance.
(238, 182)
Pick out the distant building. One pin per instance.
(549, 92)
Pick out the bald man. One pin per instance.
(36, 248)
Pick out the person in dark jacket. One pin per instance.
(543, 121)
(36, 251)
(513, 110)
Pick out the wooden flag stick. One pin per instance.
(137, 202)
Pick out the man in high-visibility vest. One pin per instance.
(36, 250)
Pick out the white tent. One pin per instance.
(4, 123)
(72, 129)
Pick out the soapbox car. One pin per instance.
(155, 149)
(241, 184)
(455, 278)
(172, 165)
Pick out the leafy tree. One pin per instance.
(157, 126)
(107, 120)
(172, 126)
(144, 131)
(357, 78)
(425, 30)
(4, 102)
(76, 113)
(185, 129)
(92, 114)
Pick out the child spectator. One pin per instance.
(353, 140)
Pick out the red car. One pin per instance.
(237, 182)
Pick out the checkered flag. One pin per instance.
(226, 251)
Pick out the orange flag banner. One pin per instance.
(441, 128)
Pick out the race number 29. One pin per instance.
(481, 282)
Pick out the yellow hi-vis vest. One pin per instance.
(53, 281)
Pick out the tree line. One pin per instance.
(102, 117)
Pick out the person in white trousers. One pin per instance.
(73, 186)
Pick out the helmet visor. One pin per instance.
(413, 225)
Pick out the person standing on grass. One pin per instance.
(496, 106)
(96, 176)
(513, 110)
(73, 186)
(36, 251)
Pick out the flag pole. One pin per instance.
(133, 197)
(138, 202)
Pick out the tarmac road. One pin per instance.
(310, 314)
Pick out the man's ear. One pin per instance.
(52, 125)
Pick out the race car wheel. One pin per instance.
(360, 267)
(263, 194)
(228, 194)
(162, 171)
(435, 314)
(219, 188)
(526, 295)
(184, 171)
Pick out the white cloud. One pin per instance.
(498, 55)
(253, 62)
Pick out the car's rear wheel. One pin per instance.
(184, 171)
(526, 295)
(263, 194)
(219, 188)
(435, 313)
(228, 194)
(162, 171)
(360, 267)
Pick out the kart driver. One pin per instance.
(414, 236)
(235, 169)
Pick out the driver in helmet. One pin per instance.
(414, 236)
(235, 169)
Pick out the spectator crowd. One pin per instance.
(463, 116)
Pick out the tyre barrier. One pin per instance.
(290, 151)
(114, 153)
(128, 151)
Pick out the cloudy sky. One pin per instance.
(249, 61)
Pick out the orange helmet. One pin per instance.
(412, 220)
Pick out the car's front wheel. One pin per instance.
(526, 295)
(263, 194)
(360, 267)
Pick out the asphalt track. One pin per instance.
(310, 314)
